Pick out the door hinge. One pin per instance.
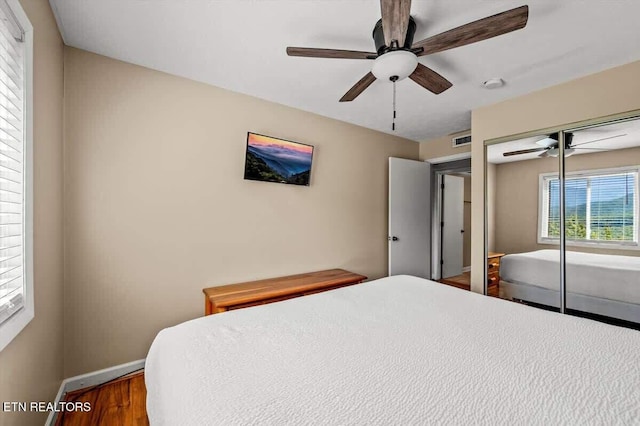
(442, 185)
(442, 224)
(442, 261)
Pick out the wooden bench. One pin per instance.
(242, 295)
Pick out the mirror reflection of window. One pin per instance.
(601, 207)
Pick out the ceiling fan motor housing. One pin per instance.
(378, 37)
(568, 140)
(394, 62)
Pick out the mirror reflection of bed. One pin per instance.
(602, 257)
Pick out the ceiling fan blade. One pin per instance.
(430, 80)
(598, 140)
(395, 20)
(311, 52)
(358, 88)
(523, 151)
(591, 149)
(543, 154)
(473, 32)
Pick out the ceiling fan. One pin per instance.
(548, 147)
(396, 55)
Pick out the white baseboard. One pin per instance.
(51, 418)
(92, 379)
(466, 269)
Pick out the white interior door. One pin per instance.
(409, 218)
(453, 225)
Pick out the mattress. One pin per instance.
(399, 350)
(596, 275)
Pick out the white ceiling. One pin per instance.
(240, 45)
(596, 139)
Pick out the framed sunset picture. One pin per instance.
(271, 159)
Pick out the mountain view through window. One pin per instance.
(598, 207)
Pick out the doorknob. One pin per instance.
(462, 231)
(394, 238)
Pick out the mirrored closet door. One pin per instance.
(563, 220)
(520, 265)
(601, 221)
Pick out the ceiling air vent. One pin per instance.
(461, 140)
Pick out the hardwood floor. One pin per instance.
(121, 403)
(463, 281)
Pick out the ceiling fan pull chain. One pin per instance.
(393, 123)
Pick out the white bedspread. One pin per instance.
(598, 275)
(399, 350)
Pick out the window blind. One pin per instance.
(598, 207)
(12, 138)
(612, 207)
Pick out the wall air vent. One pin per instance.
(461, 140)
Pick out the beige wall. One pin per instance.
(609, 92)
(157, 207)
(442, 147)
(31, 365)
(517, 187)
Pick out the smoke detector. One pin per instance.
(493, 83)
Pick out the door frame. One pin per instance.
(438, 170)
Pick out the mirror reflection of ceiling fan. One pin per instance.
(549, 146)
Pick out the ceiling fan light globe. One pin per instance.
(554, 152)
(547, 142)
(398, 63)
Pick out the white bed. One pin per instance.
(399, 350)
(598, 283)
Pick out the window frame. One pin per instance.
(543, 209)
(18, 321)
